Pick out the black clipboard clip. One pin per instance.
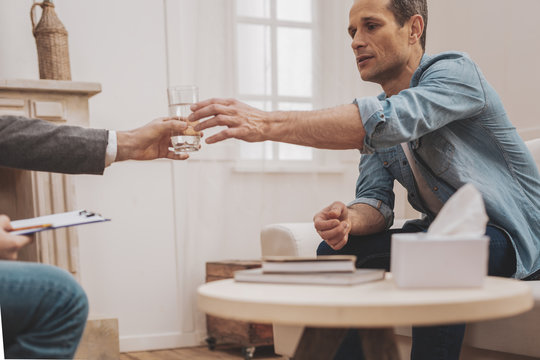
(87, 213)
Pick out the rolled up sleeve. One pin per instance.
(372, 115)
(374, 187)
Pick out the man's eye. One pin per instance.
(352, 33)
(371, 26)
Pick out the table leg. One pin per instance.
(323, 343)
(379, 344)
(319, 343)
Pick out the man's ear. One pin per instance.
(416, 26)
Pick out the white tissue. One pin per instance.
(463, 214)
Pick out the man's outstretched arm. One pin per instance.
(339, 127)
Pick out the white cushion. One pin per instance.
(516, 335)
(534, 148)
(289, 239)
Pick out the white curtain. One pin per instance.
(220, 205)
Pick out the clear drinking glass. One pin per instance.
(180, 99)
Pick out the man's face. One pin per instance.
(380, 45)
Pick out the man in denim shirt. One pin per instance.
(437, 126)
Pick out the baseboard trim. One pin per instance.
(160, 341)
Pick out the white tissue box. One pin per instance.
(421, 260)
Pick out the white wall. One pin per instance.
(167, 219)
(502, 37)
(170, 218)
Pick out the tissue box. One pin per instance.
(421, 260)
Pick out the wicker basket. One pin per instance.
(52, 43)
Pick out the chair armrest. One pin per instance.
(534, 148)
(289, 239)
(294, 239)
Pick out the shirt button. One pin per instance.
(435, 188)
(385, 163)
(382, 116)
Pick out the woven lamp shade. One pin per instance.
(52, 43)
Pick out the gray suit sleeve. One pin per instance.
(35, 144)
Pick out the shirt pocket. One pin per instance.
(389, 159)
(436, 152)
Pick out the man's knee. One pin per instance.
(70, 296)
(325, 249)
(76, 301)
(46, 311)
(79, 303)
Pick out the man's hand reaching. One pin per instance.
(242, 121)
(151, 141)
(333, 224)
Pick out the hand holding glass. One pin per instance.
(180, 100)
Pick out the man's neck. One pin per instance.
(395, 85)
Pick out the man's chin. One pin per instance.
(368, 76)
(364, 75)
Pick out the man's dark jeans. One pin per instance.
(429, 342)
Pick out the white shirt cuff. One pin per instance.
(112, 148)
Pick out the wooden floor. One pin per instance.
(202, 353)
(223, 352)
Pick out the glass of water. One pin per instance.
(180, 99)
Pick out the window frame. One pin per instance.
(274, 99)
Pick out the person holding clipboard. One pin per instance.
(43, 308)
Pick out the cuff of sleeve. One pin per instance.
(371, 112)
(112, 148)
(384, 209)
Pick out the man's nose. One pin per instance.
(357, 42)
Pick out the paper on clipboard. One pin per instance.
(55, 221)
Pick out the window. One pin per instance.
(274, 67)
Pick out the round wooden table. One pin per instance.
(379, 304)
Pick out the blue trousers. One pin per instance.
(429, 342)
(44, 311)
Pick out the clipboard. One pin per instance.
(55, 221)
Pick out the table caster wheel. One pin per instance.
(211, 342)
(248, 352)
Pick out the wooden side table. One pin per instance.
(247, 334)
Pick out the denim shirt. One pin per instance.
(458, 132)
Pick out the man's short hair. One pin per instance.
(404, 9)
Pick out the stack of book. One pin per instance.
(323, 270)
